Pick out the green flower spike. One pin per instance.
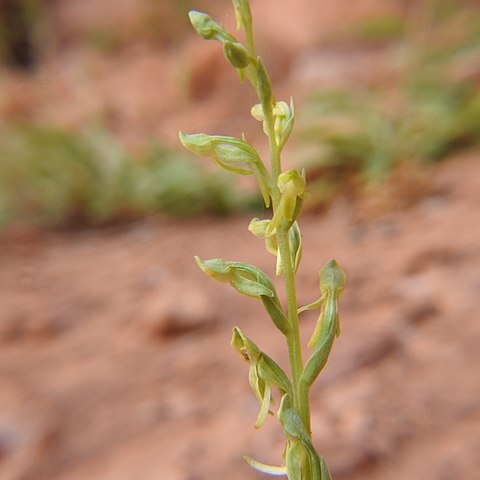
(286, 190)
(263, 373)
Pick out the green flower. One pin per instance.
(231, 154)
(263, 373)
(293, 189)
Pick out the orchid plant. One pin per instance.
(284, 191)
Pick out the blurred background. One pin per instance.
(114, 349)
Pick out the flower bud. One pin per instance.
(332, 277)
(295, 240)
(257, 112)
(231, 154)
(206, 27)
(259, 229)
(293, 187)
(284, 116)
(264, 88)
(245, 278)
(236, 54)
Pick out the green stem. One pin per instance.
(300, 394)
(300, 390)
(249, 38)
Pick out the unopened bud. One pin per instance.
(264, 87)
(236, 54)
(205, 26)
(332, 278)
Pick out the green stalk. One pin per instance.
(300, 394)
(286, 190)
(249, 36)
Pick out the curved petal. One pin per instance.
(264, 468)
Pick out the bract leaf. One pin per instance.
(275, 311)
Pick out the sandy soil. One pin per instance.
(115, 360)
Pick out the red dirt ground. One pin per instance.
(115, 360)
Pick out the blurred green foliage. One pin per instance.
(429, 111)
(361, 131)
(380, 28)
(53, 177)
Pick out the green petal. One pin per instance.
(265, 406)
(264, 468)
(216, 268)
(271, 372)
(325, 473)
(249, 287)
